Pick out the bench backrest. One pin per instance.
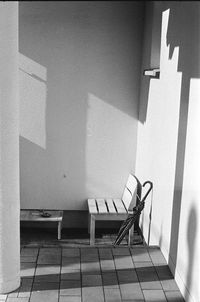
(129, 196)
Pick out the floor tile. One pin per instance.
(105, 253)
(146, 274)
(164, 272)
(3, 297)
(174, 296)
(47, 273)
(107, 264)
(91, 280)
(131, 291)
(50, 251)
(17, 300)
(68, 274)
(70, 288)
(90, 267)
(156, 256)
(70, 252)
(154, 296)
(121, 251)
(45, 287)
(14, 294)
(70, 299)
(143, 264)
(169, 285)
(71, 262)
(140, 254)
(25, 288)
(110, 279)
(127, 276)
(89, 251)
(27, 269)
(49, 259)
(44, 295)
(29, 251)
(89, 257)
(112, 295)
(122, 262)
(151, 285)
(93, 294)
(28, 259)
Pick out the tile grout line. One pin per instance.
(116, 273)
(137, 275)
(101, 275)
(36, 263)
(61, 253)
(81, 282)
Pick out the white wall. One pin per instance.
(79, 89)
(169, 142)
(9, 149)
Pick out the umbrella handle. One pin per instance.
(151, 187)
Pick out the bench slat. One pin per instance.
(101, 206)
(111, 207)
(129, 194)
(131, 183)
(119, 206)
(127, 197)
(92, 206)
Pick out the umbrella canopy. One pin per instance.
(132, 217)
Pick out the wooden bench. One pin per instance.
(113, 209)
(36, 216)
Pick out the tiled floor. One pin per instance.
(44, 237)
(94, 274)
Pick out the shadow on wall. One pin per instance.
(92, 62)
(48, 150)
(163, 134)
(186, 37)
(191, 239)
(33, 94)
(158, 133)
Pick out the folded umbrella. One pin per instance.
(132, 217)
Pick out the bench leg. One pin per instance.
(92, 229)
(59, 229)
(89, 223)
(130, 235)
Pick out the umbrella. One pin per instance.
(132, 218)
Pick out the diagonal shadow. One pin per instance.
(110, 277)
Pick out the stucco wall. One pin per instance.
(9, 149)
(79, 90)
(168, 139)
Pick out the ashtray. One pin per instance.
(45, 214)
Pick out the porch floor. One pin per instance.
(72, 271)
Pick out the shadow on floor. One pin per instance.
(95, 274)
(71, 237)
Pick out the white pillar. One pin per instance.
(9, 149)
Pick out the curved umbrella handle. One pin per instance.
(151, 187)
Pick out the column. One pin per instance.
(9, 149)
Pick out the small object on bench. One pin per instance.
(41, 215)
(45, 214)
(114, 209)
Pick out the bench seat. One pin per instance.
(35, 215)
(113, 209)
